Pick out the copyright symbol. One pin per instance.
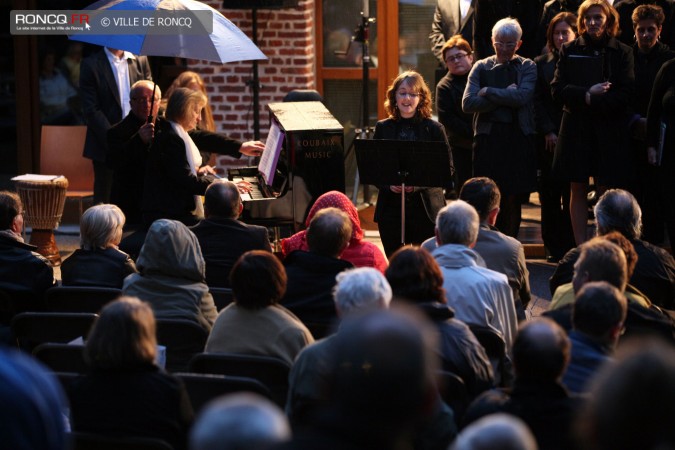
(105, 22)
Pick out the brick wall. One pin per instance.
(286, 37)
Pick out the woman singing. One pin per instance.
(594, 79)
(408, 104)
(499, 94)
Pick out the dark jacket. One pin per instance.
(488, 12)
(223, 241)
(101, 104)
(586, 357)
(458, 124)
(101, 268)
(170, 185)
(22, 270)
(432, 198)
(143, 402)
(654, 273)
(447, 23)
(545, 407)
(309, 291)
(547, 112)
(460, 351)
(625, 9)
(600, 128)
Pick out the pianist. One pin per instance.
(174, 176)
(222, 237)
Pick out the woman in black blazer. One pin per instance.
(408, 104)
(594, 79)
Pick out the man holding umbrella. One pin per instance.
(105, 90)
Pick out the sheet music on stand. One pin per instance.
(270, 157)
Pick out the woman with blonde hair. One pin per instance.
(98, 261)
(193, 81)
(408, 104)
(125, 393)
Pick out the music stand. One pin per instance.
(413, 163)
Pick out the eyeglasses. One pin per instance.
(506, 45)
(144, 99)
(456, 57)
(410, 95)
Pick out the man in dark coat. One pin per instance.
(450, 18)
(311, 275)
(222, 237)
(23, 272)
(540, 355)
(105, 101)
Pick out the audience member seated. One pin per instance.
(238, 422)
(33, 413)
(632, 402)
(595, 268)
(359, 252)
(597, 319)
(172, 275)
(23, 272)
(380, 389)
(125, 393)
(255, 324)
(311, 274)
(98, 261)
(415, 278)
(540, 356)
(358, 291)
(479, 296)
(222, 237)
(496, 431)
(617, 210)
(500, 252)
(602, 260)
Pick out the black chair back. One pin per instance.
(13, 303)
(31, 329)
(221, 297)
(61, 357)
(202, 388)
(272, 372)
(454, 393)
(495, 347)
(86, 441)
(183, 339)
(79, 298)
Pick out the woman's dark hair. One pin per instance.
(648, 12)
(258, 280)
(414, 275)
(123, 337)
(567, 17)
(612, 25)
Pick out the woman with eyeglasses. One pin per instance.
(408, 104)
(595, 82)
(458, 56)
(554, 195)
(499, 94)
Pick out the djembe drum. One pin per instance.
(43, 203)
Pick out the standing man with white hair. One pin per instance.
(500, 94)
(480, 296)
(357, 291)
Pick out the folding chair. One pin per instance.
(495, 348)
(221, 297)
(183, 339)
(454, 393)
(79, 298)
(31, 329)
(272, 372)
(61, 357)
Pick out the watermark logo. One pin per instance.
(108, 22)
